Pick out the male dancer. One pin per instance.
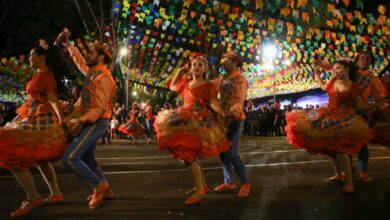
(233, 89)
(95, 105)
(372, 89)
(149, 121)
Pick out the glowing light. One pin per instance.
(123, 51)
(270, 51)
(268, 66)
(135, 93)
(287, 62)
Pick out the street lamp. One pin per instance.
(123, 51)
(287, 62)
(269, 53)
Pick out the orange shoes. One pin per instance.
(336, 178)
(53, 199)
(225, 187)
(98, 195)
(27, 206)
(108, 195)
(244, 190)
(196, 197)
(193, 190)
(365, 177)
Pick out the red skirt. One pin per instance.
(25, 148)
(134, 129)
(188, 134)
(27, 141)
(323, 132)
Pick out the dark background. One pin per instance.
(23, 22)
(26, 21)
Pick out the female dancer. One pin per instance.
(336, 130)
(193, 131)
(35, 136)
(133, 128)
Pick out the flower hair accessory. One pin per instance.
(200, 57)
(43, 44)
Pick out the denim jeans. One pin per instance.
(80, 156)
(149, 129)
(231, 157)
(364, 153)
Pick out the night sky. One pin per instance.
(25, 21)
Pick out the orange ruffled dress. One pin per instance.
(193, 130)
(132, 126)
(34, 135)
(334, 129)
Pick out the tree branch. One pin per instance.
(5, 12)
(101, 19)
(81, 15)
(99, 26)
(114, 22)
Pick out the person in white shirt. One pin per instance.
(114, 124)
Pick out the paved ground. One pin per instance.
(287, 184)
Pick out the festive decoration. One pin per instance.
(14, 74)
(162, 35)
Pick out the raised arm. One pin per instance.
(318, 79)
(78, 59)
(178, 75)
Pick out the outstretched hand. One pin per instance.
(63, 37)
(182, 71)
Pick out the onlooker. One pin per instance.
(114, 124)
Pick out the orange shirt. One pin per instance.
(149, 112)
(103, 89)
(233, 90)
(372, 87)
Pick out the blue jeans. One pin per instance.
(80, 156)
(149, 127)
(231, 157)
(364, 153)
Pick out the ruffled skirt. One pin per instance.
(322, 131)
(132, 128)
(23, 144)
(189, 134)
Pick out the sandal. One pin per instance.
(335, 178)
(195, 198)
(191, 191)
(107, 196)
(225, 187)
(27, 206)
(244, 190)
(53, 199)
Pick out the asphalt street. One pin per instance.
(149, 184)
